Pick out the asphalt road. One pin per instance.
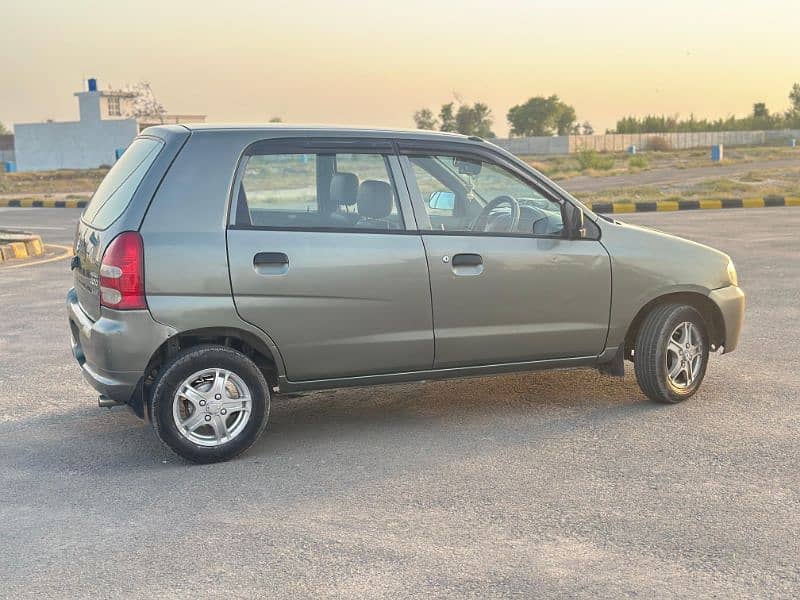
(673, 175)
(553, 484)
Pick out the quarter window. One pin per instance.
(339, 191)
(473, 195)
(116, 191)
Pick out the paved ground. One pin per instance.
(564, 484)
(672, 175)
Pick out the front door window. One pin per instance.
(473, 195)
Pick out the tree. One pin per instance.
(145, 103)
(587, 128)
(566, 119)
(794, 96)
(793, 114)
(3, 130)
(475, 120)
(760, 111)
(276, 120)
(541, 116)
(447, 118)
(424, 119)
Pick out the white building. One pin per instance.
(104, 130)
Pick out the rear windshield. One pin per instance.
(118, 187)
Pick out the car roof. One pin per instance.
(273, 128)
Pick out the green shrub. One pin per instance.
(592, 159)
(637, 161)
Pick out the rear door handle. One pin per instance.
(263, 259)
(467, 260)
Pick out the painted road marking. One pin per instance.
(66, 254)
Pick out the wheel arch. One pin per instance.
(244, 341)
(712, 317)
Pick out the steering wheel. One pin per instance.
(482, 222)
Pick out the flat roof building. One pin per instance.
(108, 122)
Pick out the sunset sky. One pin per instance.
(374, 63)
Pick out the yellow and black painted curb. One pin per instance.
(19, 245)
(68, 202)
(671, 205)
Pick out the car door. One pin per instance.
(325, 259)
(504, 288)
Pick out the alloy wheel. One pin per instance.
(212, 407)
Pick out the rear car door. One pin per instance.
(505, 287)
(325, 259)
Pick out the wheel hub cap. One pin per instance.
(684, 356)
(212, 407)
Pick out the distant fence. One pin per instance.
(619, 142)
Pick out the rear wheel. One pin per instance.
(671, 353)
(210, 403)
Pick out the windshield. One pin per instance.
(118, 187)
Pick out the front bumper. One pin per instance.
(730, 301)
(114, 350)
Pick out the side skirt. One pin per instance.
(455, 372)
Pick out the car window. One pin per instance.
(116, 191)
(474, 195)
(319, 191)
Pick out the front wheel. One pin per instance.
(210, 403)
(671, 353)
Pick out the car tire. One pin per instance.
(671, 353)
(228, 395)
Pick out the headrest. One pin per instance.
(375, 199)
(344, 189)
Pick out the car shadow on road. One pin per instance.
(403, 417)
(518, 400)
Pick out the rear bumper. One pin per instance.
(114, 350)
(730, 301)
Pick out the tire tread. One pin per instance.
(647, 356)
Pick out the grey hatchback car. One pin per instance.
(217, 265)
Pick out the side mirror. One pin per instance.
(575, 219)
(442, 200)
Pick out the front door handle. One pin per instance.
(467, 260)
(271, 263)
(263, 259)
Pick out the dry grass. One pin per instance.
(69, 181)
(780, 182)
(564, 167)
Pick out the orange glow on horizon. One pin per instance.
(375, 63)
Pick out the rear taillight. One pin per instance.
(122, 273)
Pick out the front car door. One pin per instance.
(507, 284)
(324, 258)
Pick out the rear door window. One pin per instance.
(116, 191)
(318, 191)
